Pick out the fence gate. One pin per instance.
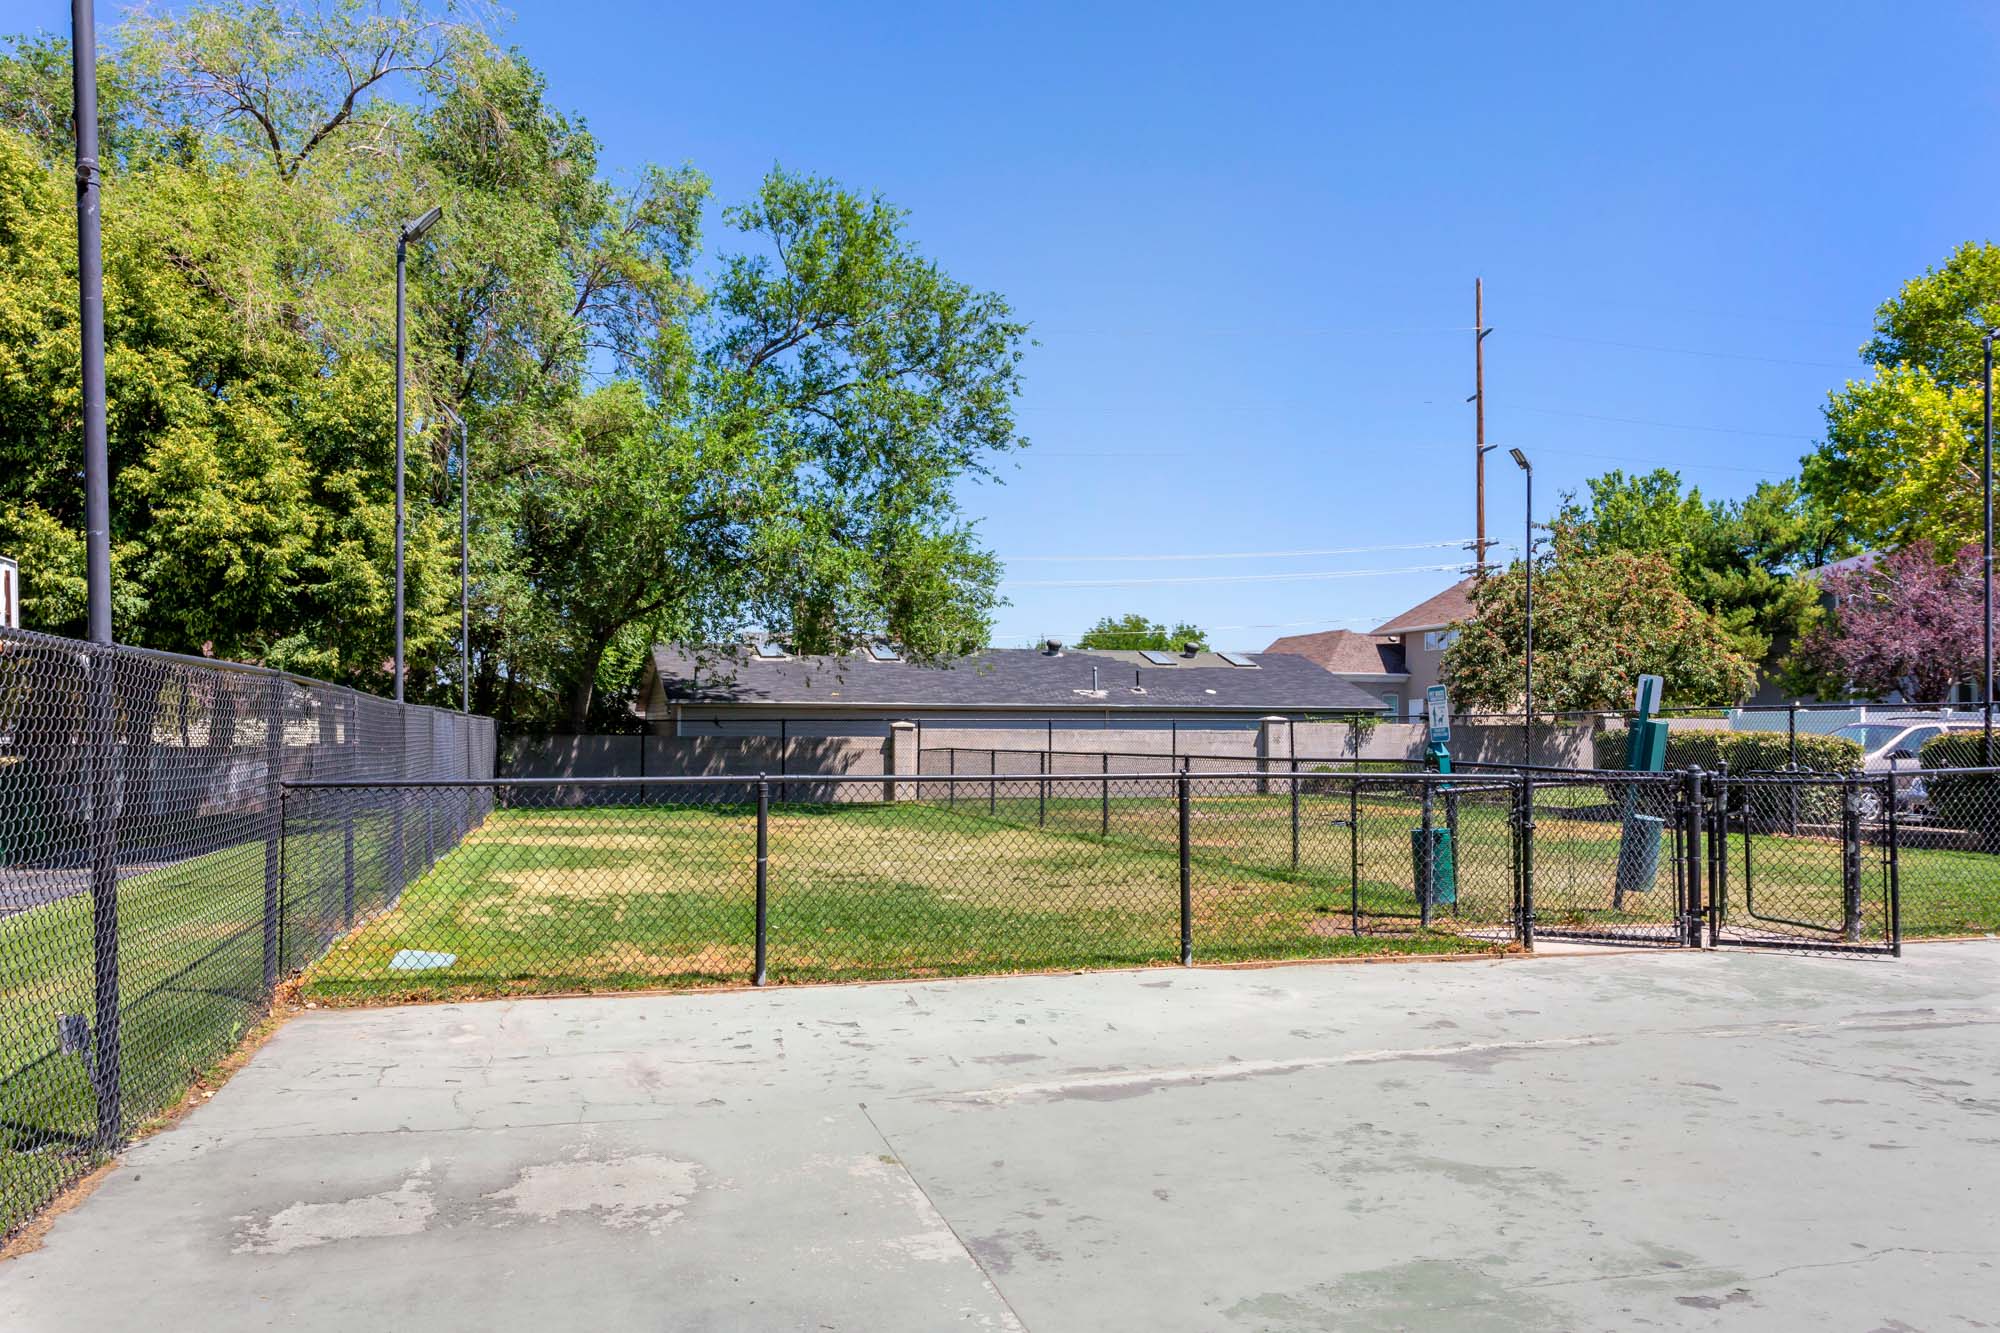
(1609, 858)
(1803, 861)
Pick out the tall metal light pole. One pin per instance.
(410, 231)
(464, 562)
(106, 1077)
(90, 311)
(1528, 568)
(1986, 561)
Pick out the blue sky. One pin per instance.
(1246, 238)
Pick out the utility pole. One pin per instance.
(1480, 446)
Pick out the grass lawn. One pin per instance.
(191, 973)
(558, 899)
(627, 897)
(191, 982)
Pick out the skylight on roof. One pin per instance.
(883, 652)
(1156, 657)
(1238, 659)
(771, 652)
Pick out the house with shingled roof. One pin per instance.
(1396, 661)
(761, 689)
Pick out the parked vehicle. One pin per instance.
(1896, 743)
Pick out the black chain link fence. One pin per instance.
(245, 849)
(145, 916)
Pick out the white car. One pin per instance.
(1895, 744)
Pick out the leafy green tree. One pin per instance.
(1134, 632)
(1600, 621)
(650, 458)
(1741, 561)
(1900, 461)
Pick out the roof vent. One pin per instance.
(1190, 649)
(1053, 647)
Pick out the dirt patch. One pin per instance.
(724, 959)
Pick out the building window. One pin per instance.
(1437, 640)
(1392, 704)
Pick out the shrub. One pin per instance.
(1968, 802)
(1743, 751)
(1754, 752)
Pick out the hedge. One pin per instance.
(1972, 803)
(1743, 751)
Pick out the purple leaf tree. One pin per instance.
(1906, 623)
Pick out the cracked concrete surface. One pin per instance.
(1673, 1141)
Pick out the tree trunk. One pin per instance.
(585, 687)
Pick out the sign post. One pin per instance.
(1639, 834)
(1437, 711)
(1432, 849)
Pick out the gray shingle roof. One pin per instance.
(1009, 678)
(1344, 650)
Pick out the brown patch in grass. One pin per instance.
(729, 959)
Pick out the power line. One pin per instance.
(1678, 351)
(1243, 555)
(1665, 425)
(1313, 576)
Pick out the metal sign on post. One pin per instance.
(1438, 707)
(1647, 700)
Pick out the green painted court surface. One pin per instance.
(1639, 1139)
(621, 898)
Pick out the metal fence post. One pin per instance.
(347, 800)
(1354, 852)
(1426, 859)
(274, 831)
(992, 783)
(1187, 882)
(1042, 800)
(1295, 815)
(1792, 759)
(100, 735)
(763, 873)
(951, 768)
(1526, 859)
(1850, 855)
(1895, 923)
(1104, 799)
(397, 799)
(1692, 911)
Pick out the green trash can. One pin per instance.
(1444, 872)
(1639, 853)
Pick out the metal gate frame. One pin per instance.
(1867, 851)
(1676, 926)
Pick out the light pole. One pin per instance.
(408, 232)
(105, 1067)
(464, 563)
(1528, 569)
(1986, 563)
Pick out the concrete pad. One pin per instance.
(1672, 1140)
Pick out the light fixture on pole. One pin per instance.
(408, 232)
(1528, 570)
(464, 562)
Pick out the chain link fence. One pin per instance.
(261, 826)
(145, 916)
